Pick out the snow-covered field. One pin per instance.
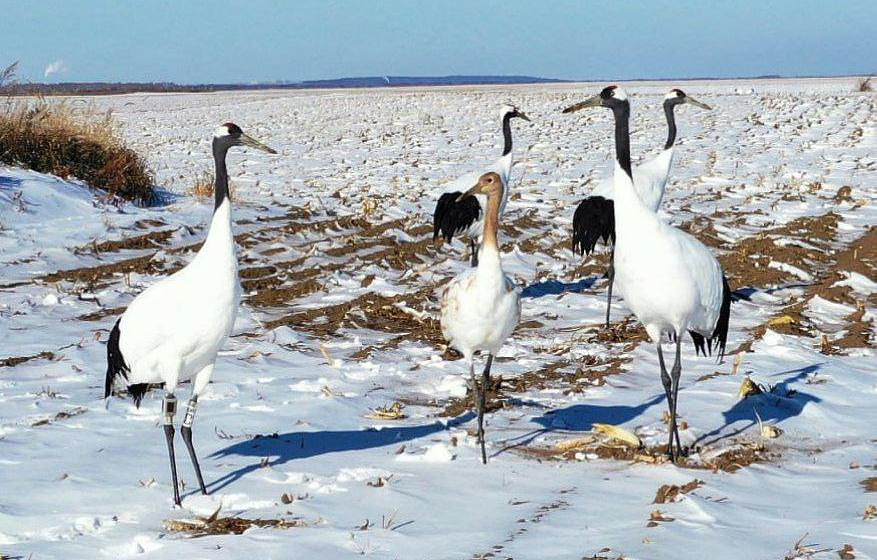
(341, 282)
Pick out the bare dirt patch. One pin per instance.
(859, 256)
(869, 484)
(61, 415)
(804, 243)
(151, 240)
(215, 525)
(381, 313)
(102, 313)
(493, 399)
(672, 492)
(15, 360)
(732, 458)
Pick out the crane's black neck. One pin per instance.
(621, 111)
(507, 133)
(671, 123)
(220, 184)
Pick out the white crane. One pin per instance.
(482, 306)
(173, 330)
(454, 215)
(594, 218)
(669, 279)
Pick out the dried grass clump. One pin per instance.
(215, 525)
(204, 187)
(863, 85)
(53, 137)
(7, 75)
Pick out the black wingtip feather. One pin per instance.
(452, 217)
(719, 338)
(137, 390)
(720, 334)
(116, 365)
(699, 343)
(594, 219)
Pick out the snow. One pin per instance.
(81, 477)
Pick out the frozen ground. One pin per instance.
(342, 280)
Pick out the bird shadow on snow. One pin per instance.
(745, 293)
(581, 418)
(282, 448)
(553, 287)
(780, 403)
(9, 182)
(164, 197)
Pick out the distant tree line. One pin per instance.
(104, 88)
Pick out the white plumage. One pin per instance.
(651, 255)
(649, 180)
(173, 331)
(454, 217)
(482, 306)
(594, 217)
(670, 280)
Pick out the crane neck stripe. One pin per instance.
(507, 133)
(622, 136)
(220, 181)
(671, 123)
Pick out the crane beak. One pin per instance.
(595, 101)
(253, 143)
(523, 116)
(696, 103)
(467, 194)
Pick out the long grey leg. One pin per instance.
(476, 398)
(482, 404)
(473, 251)
(186, 432)
(478, 401)
(611, 281)
(668, 390)
(675, 374)
(169, 409)
(474, 386)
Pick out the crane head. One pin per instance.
(512, 112)
(610, 97)
(230, 134)
(677, 97)
(488, 184)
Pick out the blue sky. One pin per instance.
(267, 40)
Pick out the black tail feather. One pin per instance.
(137, 390)
(116, 365)
(703, 345)
(720, 334)
(594, 219)
(452, 217)
(699, 343)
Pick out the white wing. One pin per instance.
(706, 273)
(649, 181)
(650, 178)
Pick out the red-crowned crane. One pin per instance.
(463, 217)
(594, 218)
(670, 280)
(173, 330)
(482, 306)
